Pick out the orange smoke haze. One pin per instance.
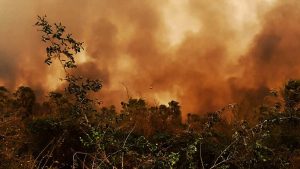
(204, 54)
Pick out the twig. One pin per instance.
(93, 164)
(75, 155)
(51, 152)
(126, 89)
(41, 153)
(200, 151)
(83, 163)
(220, 155)
(102, 161)
(122, 157)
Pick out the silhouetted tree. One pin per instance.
(25, 99)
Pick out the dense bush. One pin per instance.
(69, 131)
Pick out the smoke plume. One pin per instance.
(205, 54)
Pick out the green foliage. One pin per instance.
(61, 44)
(64, 47)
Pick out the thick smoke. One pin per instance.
(205, 54)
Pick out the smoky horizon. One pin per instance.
(203, 54)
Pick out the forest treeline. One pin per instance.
(71, 130)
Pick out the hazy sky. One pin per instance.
(202, 53)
